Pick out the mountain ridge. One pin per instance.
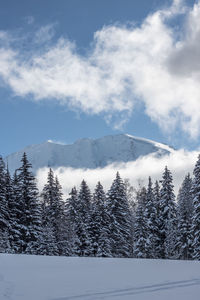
(88, 153)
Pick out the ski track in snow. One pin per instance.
(7, 290)
(135, 290)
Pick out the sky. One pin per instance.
(71, 69)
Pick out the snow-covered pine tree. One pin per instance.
(99, 224)
(53, 214)
(168, 216)
(140, 226)
(73, 222)
(59, 220)
(83, 243)
(48, 244)
(195, 229)
(157, 204)
(4, 212)
(120, 217)
(30, 208)
(17, 216)
(150, 219)
(184, 213)
(10, 199)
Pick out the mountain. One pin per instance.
(88, 153)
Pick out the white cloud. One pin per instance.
(179, 162)
(126, 65)
(185, 59)
(56, 142)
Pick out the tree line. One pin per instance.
(147, 222)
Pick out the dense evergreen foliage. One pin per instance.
(167, 216)
(195, 228)
(184, 214)
(146, 222)
(140, 230)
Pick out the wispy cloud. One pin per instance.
(56, 142)
(179, 162)
(127, 64)
(44, 34)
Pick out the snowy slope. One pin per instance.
(24, 277)
(88, 153)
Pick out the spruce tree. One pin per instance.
(30, 209)
(59, 220)
(158, 220)
(4, 213)
(140, 226)
(150, 219)
(184, 213)
(168, 216)
(120, 217)
(83, 242)
(48, 240)
(9, 194)
(99, 224)
(48, 245)
(17, 216)
(53, 213)
(195, 229)
(72, 221)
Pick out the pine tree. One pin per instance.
(150, 219)
(30, 209)
(195, 229)
(48, 245)
(17, 216)
(72, 221)
(158, 220)
(59, 220)
(82, 245)
(77, 214)
(3, 204)
(10, 206)
(120, 216)
(168, 216)
(4, 213)
(53, 214)
(184, 213)
(140, 226)
(99, 224)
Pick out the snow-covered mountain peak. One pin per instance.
(88, 153)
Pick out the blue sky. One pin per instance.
(89, 87)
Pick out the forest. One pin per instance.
(143, 222)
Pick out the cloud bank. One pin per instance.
(152, 63)
(179, 162)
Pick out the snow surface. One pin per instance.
(25, 277)
(88, 153)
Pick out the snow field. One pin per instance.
(26, 277)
